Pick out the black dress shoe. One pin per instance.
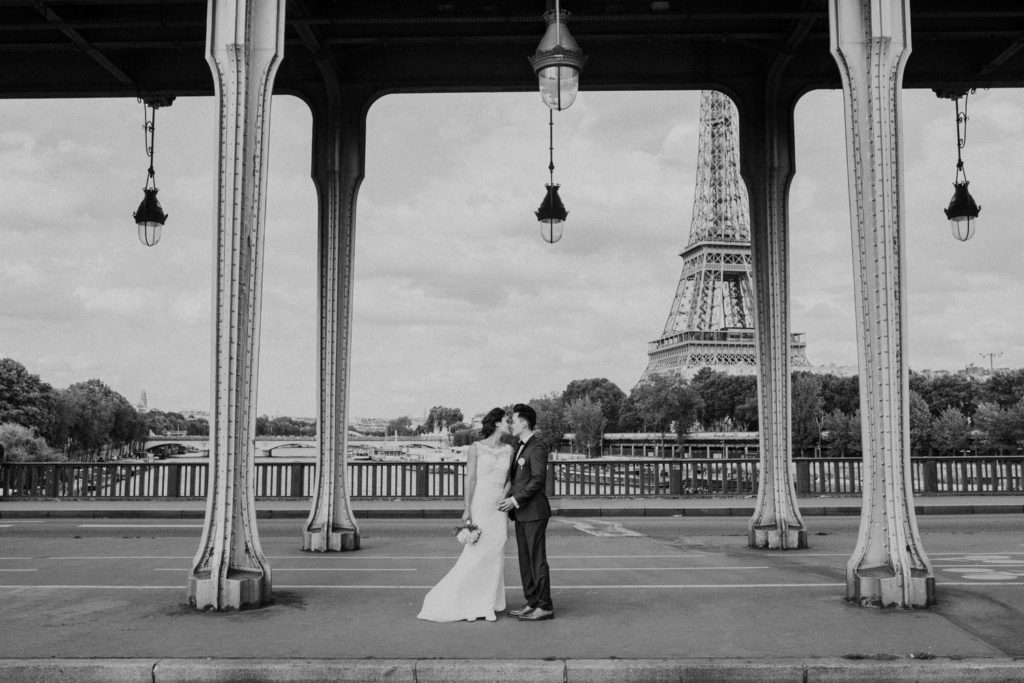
(522, 611)
(538, 614)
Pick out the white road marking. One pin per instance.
(92, 587)
(645, 569)
(26, 521)
(611, 586)
(124, 557)
(596, 527)
(303, 569)
(346, 556)
(139, 525)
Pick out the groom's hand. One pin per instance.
(506, 505)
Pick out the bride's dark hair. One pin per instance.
(490, 421)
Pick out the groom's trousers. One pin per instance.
(533, 563)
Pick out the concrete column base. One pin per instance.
(240, 590)
(774, 538)
(883, 587)
(333, 540)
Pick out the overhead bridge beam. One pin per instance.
(54, 19)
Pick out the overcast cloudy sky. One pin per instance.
(458, 302)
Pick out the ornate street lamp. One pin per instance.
(962, 211)
(150, 216)
(558, 62)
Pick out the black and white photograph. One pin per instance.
(511, 340)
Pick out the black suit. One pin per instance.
(528, 474)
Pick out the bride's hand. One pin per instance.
(465, 515)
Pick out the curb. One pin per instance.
(937, 670)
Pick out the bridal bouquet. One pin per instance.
(468, 533)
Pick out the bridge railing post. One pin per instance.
(422, 480)
(173, 481)
(297, 479)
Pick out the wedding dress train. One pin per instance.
(475, 587)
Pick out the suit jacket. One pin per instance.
(529, 482)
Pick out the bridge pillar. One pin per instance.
(766, 162)
(870, 41)
(245, 43)
(339, 136)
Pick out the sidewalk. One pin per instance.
(690, 506)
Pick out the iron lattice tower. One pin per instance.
(711, 322)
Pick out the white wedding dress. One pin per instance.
(475, 586)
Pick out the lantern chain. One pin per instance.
(551, 145)
(961, 136)
(149, 127)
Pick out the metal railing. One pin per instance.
(646, 477)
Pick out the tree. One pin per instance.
(465, 437)
(601, 391)
(950, 431)
(441, 416)
(661, 400)
(22, 444)
(1006, 389)
(842, 432)
(920, 425)
(1001, 428)
(91, 417)
(721, 396)
(806, 411)
(198, 426)
(840, 393)
(587, 421)
(551, 423)
(947, 391)
(24, 398)
(745, 417)
(401, 426)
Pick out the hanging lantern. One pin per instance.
(558, 62)
(551, 215)
(962, 212)
(150, 217)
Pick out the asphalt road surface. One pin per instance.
(623, 587)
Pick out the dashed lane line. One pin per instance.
(139, 525)
(306, 569)
(350, 556)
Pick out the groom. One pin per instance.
(528, 506)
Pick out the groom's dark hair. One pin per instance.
(527, 413)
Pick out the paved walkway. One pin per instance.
(692, 506)
(657, 605)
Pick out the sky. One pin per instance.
(457, 300)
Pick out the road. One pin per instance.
(623, 587)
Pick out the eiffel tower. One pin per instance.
(711, 322)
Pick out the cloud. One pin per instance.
(456, 299)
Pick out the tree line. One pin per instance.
(948, 413)
(90, 421)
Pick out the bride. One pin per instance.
(475, 586)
